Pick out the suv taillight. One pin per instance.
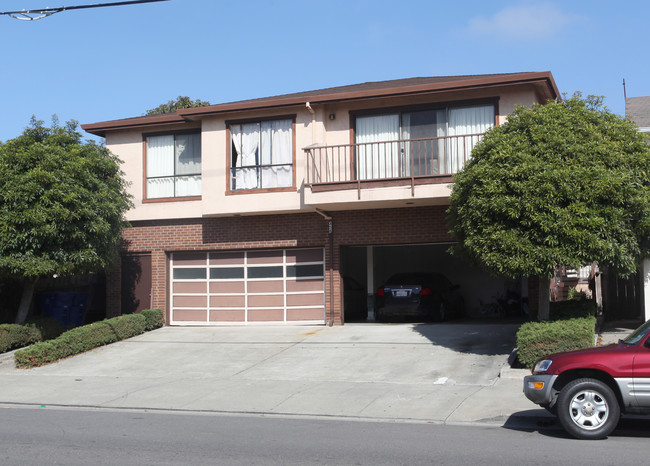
(380, 292)
(426, 291)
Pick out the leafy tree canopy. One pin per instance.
(62, 203)
(179, 103)
(566, 183)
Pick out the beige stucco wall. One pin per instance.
(128, 146)
(310, 128)
(216, 200)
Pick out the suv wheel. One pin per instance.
(588, 409)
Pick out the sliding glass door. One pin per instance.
(419, 143)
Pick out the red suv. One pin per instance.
(589, 389)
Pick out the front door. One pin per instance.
(136, 283)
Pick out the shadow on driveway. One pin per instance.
(481, 337)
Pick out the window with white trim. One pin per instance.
(261, 154)
(173, 165)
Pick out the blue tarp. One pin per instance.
(68, 307)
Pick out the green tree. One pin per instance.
(566, 183)
(179, 103)
(62, 206)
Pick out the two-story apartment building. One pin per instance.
(253, 211)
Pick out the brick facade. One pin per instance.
(411, 225)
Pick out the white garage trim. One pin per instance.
(247, 287)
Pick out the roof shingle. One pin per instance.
(637, 109)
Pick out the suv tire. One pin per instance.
(588, 409)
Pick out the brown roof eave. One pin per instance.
(99, 129)
(543, 80)
(522, 78)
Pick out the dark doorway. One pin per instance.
(136, 283)
(624, 297)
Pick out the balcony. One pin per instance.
(405, 162)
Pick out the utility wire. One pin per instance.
(31, 15)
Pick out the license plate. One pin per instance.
(401, 293)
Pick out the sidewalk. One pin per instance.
(451, 373)
(611, 332)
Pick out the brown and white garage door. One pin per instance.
(285, 285)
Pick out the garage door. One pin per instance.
(281, 286)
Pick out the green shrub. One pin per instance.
(538, 339)
(16, 336)
(82, 339)
(49, 326)
(127, 326)
(38, 354)
(155, 318)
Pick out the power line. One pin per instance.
(31, 15)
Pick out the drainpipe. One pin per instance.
(330, 232)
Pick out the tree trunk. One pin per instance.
(598, 292)
(544, 294)
(26, 300)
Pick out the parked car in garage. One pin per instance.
(589, 389)
(429, 296)
(355, 300)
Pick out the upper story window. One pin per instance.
(173, 165)
(261, 154)
(421, 142)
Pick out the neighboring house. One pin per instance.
(637, 109)
(253, 211)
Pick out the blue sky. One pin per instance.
(107, 63)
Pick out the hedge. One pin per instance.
(154, 318)
(538, 339)
(82, 339)
(16, 336)
(48, 326)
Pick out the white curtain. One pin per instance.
(376, 158)
(407, 151)
(188, 154)
(468, 124)
(441, 132)
(169, 156)
(277, 154)
(188, 163)
(188, 186)
(160, 166)
(246, 139)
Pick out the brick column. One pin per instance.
(159, 280)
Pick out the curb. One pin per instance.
(508, 372)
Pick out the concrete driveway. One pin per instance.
(413, 372)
